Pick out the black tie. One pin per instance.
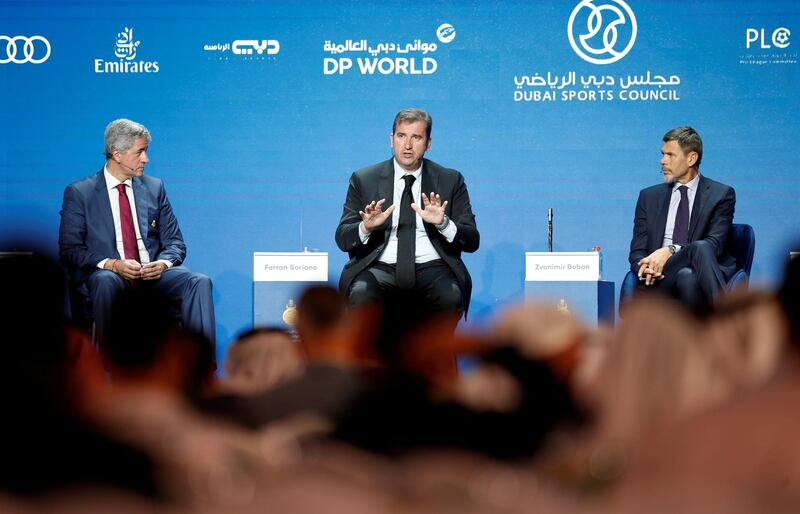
(680, 233)
(406, 237)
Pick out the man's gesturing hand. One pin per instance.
(434, 209)
(373, 216)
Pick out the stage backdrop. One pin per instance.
(261, 110)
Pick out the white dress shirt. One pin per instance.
(674, 200)
(113, 198)
(425, 251)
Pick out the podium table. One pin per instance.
(278, 280)
(570, 281)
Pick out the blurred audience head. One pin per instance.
(32, 323)
(649, 375)
(319, 311)
(32, 316)
(746, 336)
(329, 332)
(43, 440)
(410, 327)
(145, 344)
(140, 320)
(790, 299)
(261, 359)
(542, 332)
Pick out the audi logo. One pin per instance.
(31, 52)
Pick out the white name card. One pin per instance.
(290, 266)
(562, 266)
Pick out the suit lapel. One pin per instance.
(663, 212)
(700, 202)
(430, 180)
(142, 206)
(102, 201)
(386, 184)
(386, 189)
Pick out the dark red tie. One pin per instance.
(126, 223)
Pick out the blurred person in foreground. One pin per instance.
(45, 444)
(260, 359)
(656, 372)
(320, 376)
(739, 457)
(419, 404)
(157, 369)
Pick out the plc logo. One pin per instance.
(780, 37)
(246, 46)
(594, 46)
(30, 51)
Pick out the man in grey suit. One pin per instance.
(681, 226)
(118, 230)
(399, 236)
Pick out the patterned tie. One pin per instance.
(680, 233)
(406, 238)
(126, 223)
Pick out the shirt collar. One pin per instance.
(399, 172)
(111, 180)
(692, 184)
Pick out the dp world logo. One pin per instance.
(22, 49)
(602, 31)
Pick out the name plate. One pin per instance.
(562, 266)
(290, 267)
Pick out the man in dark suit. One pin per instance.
(398, 236)
(118, 230)
(680, 227)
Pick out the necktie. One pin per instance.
(406, 238)
(126, 223)
(680, 233)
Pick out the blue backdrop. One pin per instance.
(256, 149)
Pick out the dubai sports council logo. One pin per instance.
(605, 30)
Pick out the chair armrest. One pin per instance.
(628, 287)
(738, 280)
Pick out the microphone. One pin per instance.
(550, 229)
(132, 171)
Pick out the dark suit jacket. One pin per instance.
(712, 215)
(376, 182)
(86, 234)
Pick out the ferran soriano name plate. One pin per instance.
(290, 267)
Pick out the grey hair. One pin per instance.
(412, 115)
(688, 139)
(122, 133)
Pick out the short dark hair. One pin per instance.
(412, 115)
(688, 139)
